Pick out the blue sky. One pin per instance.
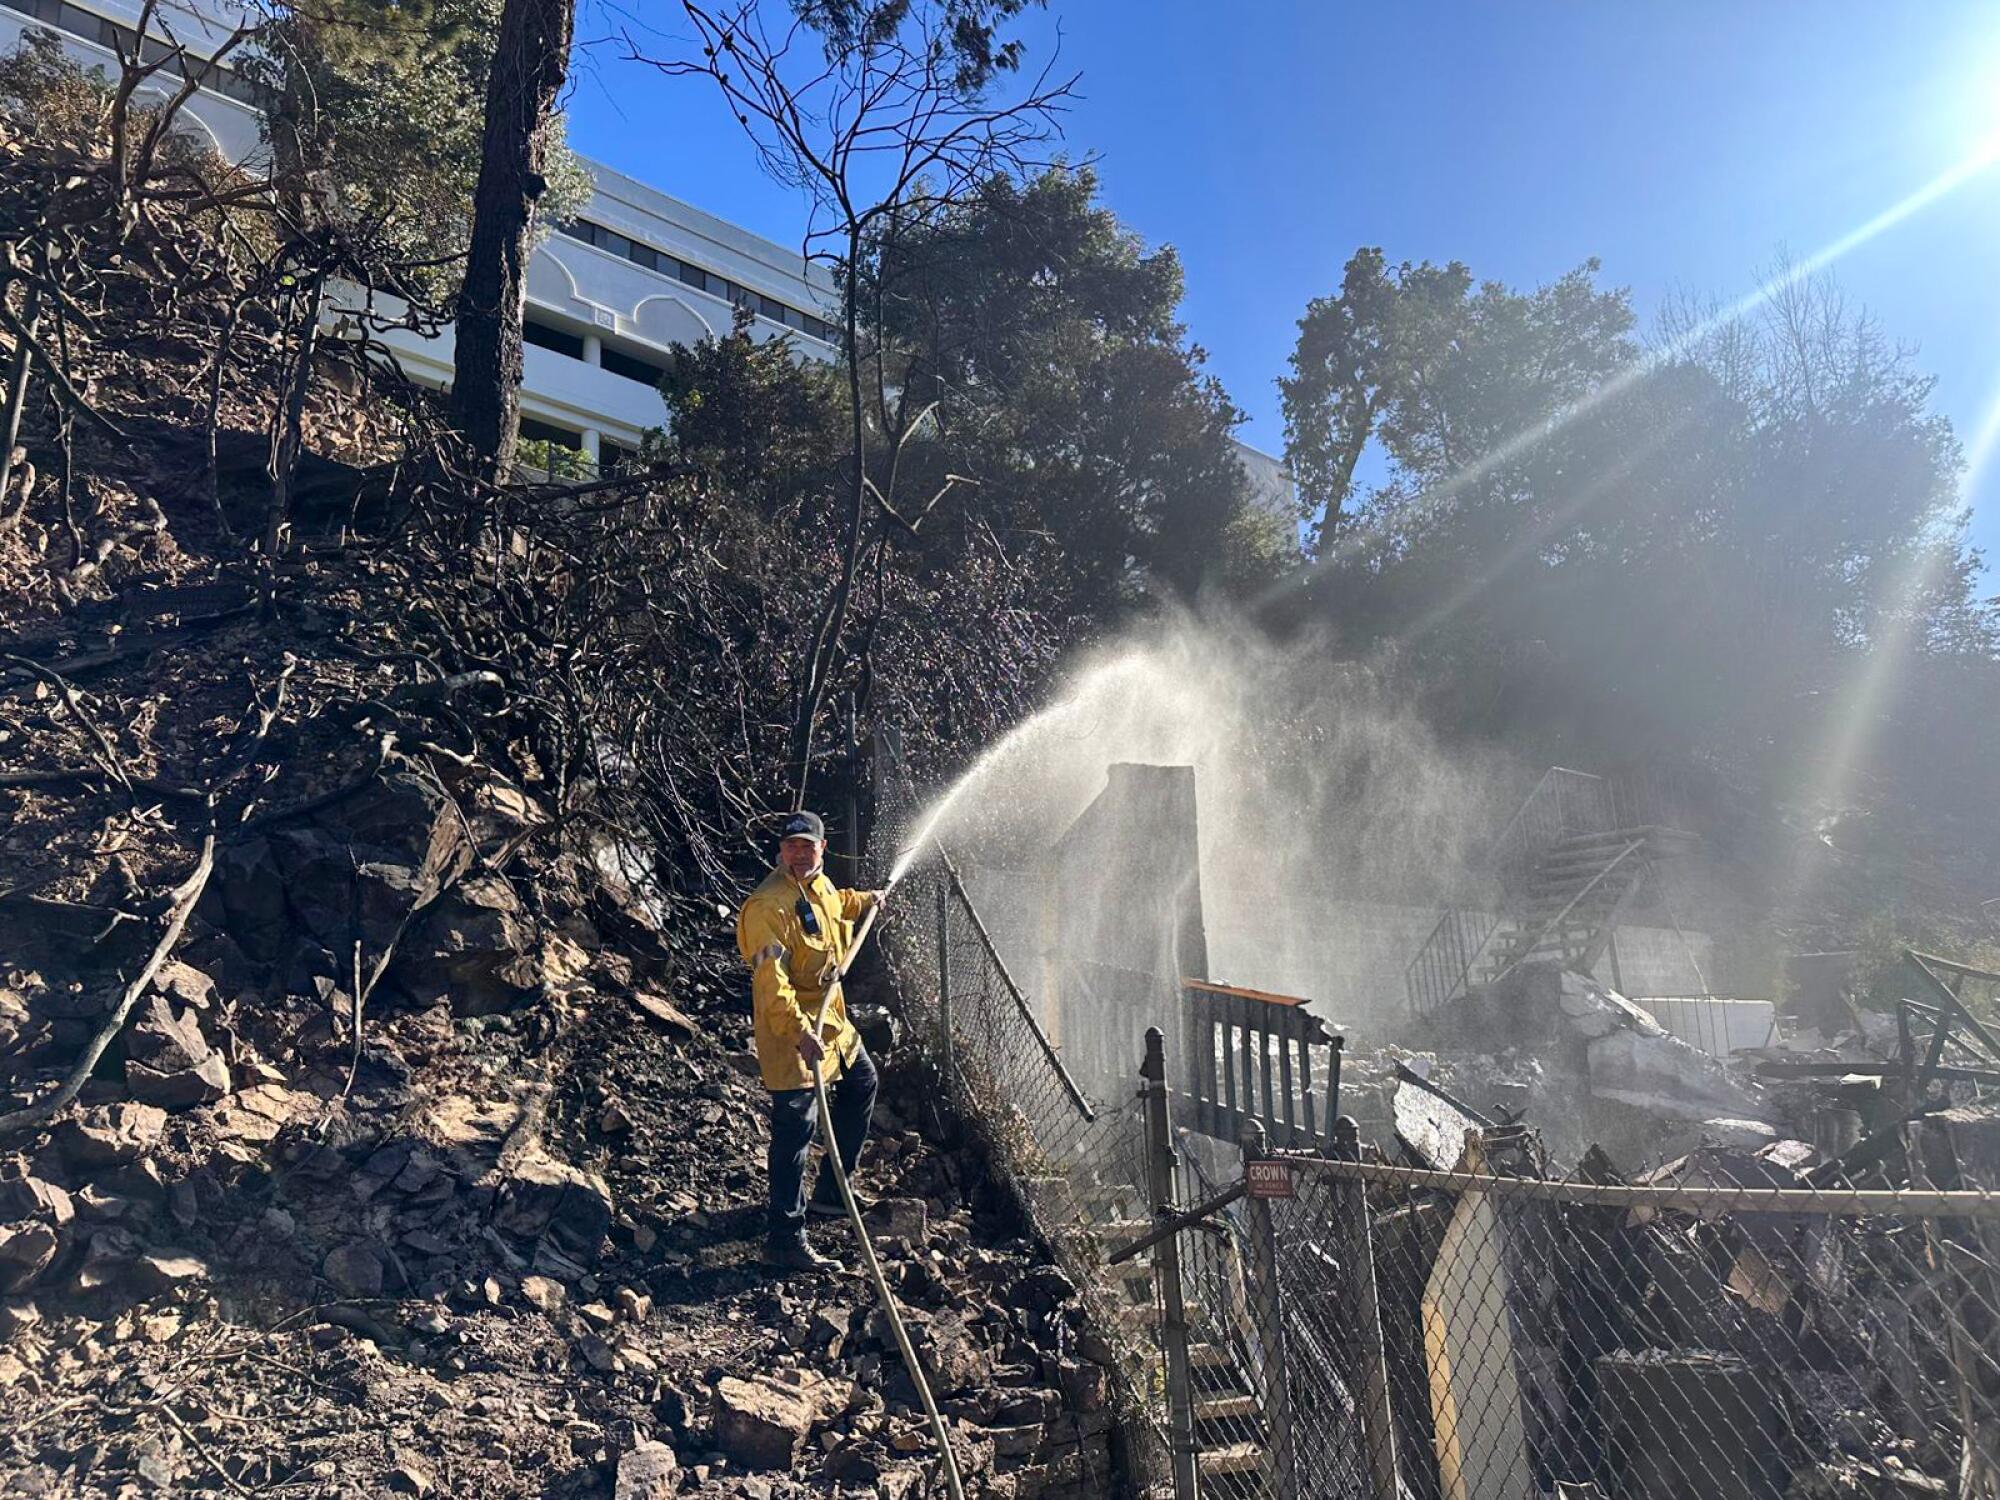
(1685, 143)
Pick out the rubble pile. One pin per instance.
(1723, 1342)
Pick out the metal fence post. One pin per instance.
(1354, 1236)
(1266, 1294)
(1167, 1264)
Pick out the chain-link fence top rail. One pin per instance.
(1076, 1164)
(1715, 1331)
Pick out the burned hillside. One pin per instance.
(378, 1109)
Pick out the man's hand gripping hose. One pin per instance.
(889, 1307)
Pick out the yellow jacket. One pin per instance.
(789, 971)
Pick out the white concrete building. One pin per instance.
(637, 272)
(608, 294)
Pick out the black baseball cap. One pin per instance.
(803, 825)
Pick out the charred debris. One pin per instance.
(1738, 1272)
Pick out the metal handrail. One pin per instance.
(1558, 919)
(1444, 963)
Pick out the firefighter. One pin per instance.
(793, 932)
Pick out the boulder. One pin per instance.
(110, 1135)
(762, 1423)
(26, 1250)
(649, 1472)
(543, 1194)
(204, 1083)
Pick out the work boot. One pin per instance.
(800, 1256)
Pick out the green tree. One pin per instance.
(384, 100)
(1036, 343)
(1685, 545)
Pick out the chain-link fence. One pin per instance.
(1075, 1163)
(1723, 1328)
(1749, 1324)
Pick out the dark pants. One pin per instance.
(852, 1096)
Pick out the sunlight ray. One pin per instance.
(1497, 457)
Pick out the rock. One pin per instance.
(26, 1250)
(354, 1270)
(182, 981)
(157, 1271)
(110, 1135)
(204, 1083)
(111, 1251)
(635, 1306)
(764, 1422)
(163, 1040)
(760, 1427)
(1086, 1387)
(829, 1326)
(952, 1359)
(542, 1193)
(18, 1315)
(597, 1314)
(256, 1115)
(1016, 1442)
(665, 1014)
(649, 1472)
(1043, 1288)
(30, 1197)
(475, 944)
(613, 1120)
(900, 1219)
(410, 1476)
(160, 1328)
(544, 1293)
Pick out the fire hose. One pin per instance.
(874, 1265)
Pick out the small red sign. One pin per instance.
(1268, 1179)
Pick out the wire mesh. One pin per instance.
(1724, 1329)
(1076, 1164)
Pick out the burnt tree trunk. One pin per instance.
(530, 62)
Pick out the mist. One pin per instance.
(1332, 821)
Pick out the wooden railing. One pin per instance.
(1255, 1055)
